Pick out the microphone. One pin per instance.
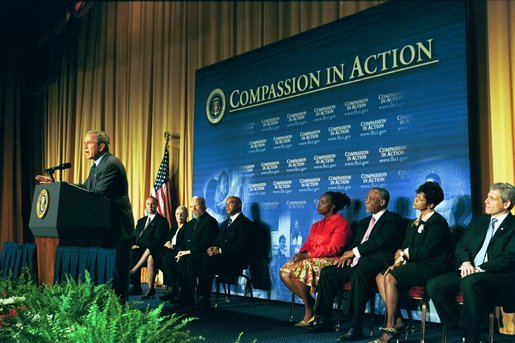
(63, 166)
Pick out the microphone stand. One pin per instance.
(50, 172)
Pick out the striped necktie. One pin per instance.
(146, 225)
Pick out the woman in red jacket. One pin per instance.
(326, 241)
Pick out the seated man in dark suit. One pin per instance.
(199, 234)
(377, 238)
(151, 232)
(230, 252)
(485, 267)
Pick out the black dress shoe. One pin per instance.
(171, 294)
(203, 304)
(320, 326)
(351, 335)
(166, 297)
(181, 303)
(150, 294)
(135, 290)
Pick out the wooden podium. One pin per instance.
(64, 214)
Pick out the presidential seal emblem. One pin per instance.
(215, 106)
(42, 203)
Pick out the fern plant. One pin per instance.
(81, 312)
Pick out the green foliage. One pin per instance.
(80, 312)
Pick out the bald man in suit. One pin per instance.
(372, 250)
(151, 233)
(230, 252)
(485, 267)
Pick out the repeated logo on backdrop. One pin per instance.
(288, 122)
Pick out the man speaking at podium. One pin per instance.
(108, 178)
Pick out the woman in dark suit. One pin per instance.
(425, 253)
(152, 257)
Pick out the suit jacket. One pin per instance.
(433, 243)
(235, 241)
(385, 239)
(110, 181)
(500, 252)
(199, 234)
(154, 235)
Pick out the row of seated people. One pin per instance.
(197, 250)
(392, 257)
(384, 252)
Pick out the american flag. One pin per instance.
(161, 189)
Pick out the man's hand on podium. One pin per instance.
(43, 179)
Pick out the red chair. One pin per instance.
(491, 315)
(418, 294)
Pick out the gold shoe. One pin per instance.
(304, 323)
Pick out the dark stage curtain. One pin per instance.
(16, 257)
(75, 261)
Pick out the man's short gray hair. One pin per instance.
(507, 192)
(201, 201)
(101, 137)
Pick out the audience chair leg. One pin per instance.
(227, 290)
(217, 290)
(372, 313)
(491, 317)
(292, 306)
(315, 307)
(339, 308)
(423, 322)
(248, 288)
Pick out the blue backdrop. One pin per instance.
(376, 99)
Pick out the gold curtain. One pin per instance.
(132, 72)
(501, 89)
(133, 75)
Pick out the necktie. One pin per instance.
(481, 255)
(146, 225)
(92, 176)
(365, 238)
(229, 223)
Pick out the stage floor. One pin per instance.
(268, 321)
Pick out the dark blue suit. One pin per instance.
(494, 286)
(110, 181)
(153, 237)
(235, 243)
(376, 254)
(199, 234)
